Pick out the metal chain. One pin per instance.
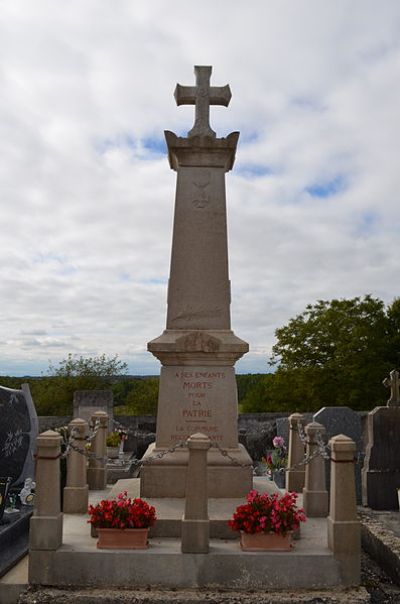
(231, 458)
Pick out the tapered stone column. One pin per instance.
(315, 495)
(97, 470)
(198, 349)
(344, 533)
(195, 522)
(295, 478)
(46, 523)
(76, 493)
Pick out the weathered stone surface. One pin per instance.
(87, 402)
(18, 433)
(282, 425)
(198, 348)
(343, 420)
(393, 382)
(381, 471)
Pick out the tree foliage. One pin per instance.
(142, 398)
(336, 353)
(53, 394)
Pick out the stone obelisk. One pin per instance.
(198, 349)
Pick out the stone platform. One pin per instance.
(78, 562)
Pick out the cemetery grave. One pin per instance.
(197, 473)
(18, 433)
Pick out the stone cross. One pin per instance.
(393, 383)
(202, 96)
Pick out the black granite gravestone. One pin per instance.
(5, 482)
(18, 433)
(381, 471)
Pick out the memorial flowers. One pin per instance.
(122, 523)
(113, 439)
(122, 513)
(277, 459)
(265, 513)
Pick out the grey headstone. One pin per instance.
(18, 433)
(343, 420)
(282, 426)
(381, 471)
(87, 402)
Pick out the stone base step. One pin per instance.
(78, 562)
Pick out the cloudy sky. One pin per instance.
(87, 193)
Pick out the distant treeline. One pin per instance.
(136, 395)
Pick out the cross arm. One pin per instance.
(185, 95)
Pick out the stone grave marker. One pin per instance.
(342, 420)
(393, 382)
(18, 432)
(282, 426)
(381, 471)
(198, 349)
(87, 402)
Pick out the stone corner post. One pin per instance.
(97, 470)
(46, 523)
(76, 493)
(315, 494)
(344, 533)
(195, 522)
(295, 478)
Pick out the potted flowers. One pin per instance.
(267, 521)
(122, 523)
(276, 461)
(113, 442)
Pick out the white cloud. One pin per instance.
(87, 194)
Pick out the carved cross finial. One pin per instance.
(202, 96)
(393, 383)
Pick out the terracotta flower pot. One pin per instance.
(265, 541)
(110, 538)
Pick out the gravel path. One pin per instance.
(378, 584)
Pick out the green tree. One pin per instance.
(142, 398)
(337, 353)
(53, 395)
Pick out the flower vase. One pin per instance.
(255, 542)
(112, 452)
(114, 538)
(279, 479)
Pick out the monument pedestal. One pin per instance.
(166, 477)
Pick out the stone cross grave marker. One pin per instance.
(393, 382)
(202, 96)
(18, 432)
(198, 349)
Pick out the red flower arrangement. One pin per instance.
(122, 513)
(265, 513)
